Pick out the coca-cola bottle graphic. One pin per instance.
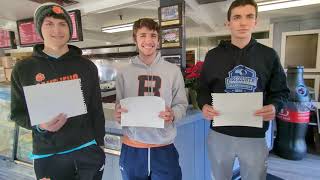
(292, 121)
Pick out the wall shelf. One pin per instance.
(301, 48)
(313, 81)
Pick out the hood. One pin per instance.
(237, 55)
(73, 51)
(229, 45)
(137, 61)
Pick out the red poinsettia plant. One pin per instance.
(193, 75)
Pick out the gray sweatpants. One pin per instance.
(251, 152)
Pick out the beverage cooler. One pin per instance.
(7, 127)
(16, 141)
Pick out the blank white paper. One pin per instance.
(237, 109)
(45, 101)
(143, 111)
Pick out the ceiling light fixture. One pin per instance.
(283, 4)
(117, 28)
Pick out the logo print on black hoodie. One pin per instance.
(40, 77)
(241, 79)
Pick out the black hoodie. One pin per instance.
(254, 68)
(41, 68)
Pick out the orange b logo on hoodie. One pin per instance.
(40, 77)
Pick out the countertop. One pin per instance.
(192, 115)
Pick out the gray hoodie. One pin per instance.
(160, 78)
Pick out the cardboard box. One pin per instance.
(2, 74)
(21, 55)
(7, 61)
(7, 72)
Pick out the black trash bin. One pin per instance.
(292, 121)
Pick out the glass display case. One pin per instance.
(7, 127)
(112, 143)
(7, 130)
(24, 147)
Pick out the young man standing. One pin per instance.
(149, 153)
(241, 66)
(63, 148)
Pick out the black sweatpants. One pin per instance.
(84, 164)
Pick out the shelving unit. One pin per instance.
(313, 81)
(191, 55)
(301, 48)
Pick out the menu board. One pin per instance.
(7, 39)
(28, 35)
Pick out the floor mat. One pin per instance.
(273, 177)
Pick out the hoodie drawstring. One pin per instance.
(150, 87)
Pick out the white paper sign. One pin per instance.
(237, 109)
(143, 111)
(45, 101)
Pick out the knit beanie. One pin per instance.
(53, 9)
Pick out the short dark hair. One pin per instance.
(145, 22)
(56, 16)
(238, 3)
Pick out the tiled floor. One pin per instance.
(14, 171)
(306, 169)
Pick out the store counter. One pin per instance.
(191, 144)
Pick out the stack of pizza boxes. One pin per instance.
(7, 64)
(2, 75)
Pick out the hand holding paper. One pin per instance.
(54, 124)
(209, 112)
(118, 111)
(143, 111)
(267, 112)
(167, 115)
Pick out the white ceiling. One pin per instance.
(205, 19)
